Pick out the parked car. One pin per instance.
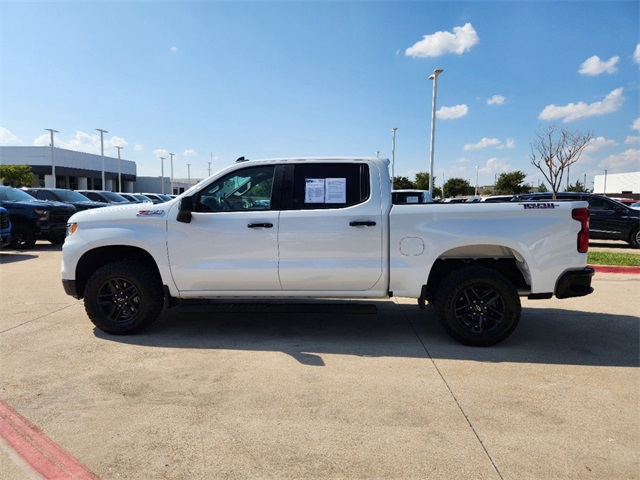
(104, 196)
(609, 219)
(5, 228)
(65, 196)
(410, 196)
(496, 198)
(33, 219)
(135, 197)
(157, 197)
(635, 206)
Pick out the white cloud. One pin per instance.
(574, 111)
(8, 138)
(599, 143)
(484, 143)
(173, 49)
(83, 142)
(451, 113)
(441, 43)
(511, 143)
(495, 165)
(593, 66)
(496, 100)
(636, 54)
(161, 152)
(624, 162)
(190, 152)
(634, 140)
(138, 147)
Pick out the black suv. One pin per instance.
(609, 219)
(33, 219)
(66, 196)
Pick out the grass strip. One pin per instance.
(610, 258)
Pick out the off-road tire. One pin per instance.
(22, 236)
(123, 297)
(478, 306)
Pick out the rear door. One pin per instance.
(331, 228)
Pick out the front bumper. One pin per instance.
(575, 283)
(70, 288)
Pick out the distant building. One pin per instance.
(618, 184)
(74, 170)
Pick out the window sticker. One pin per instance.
(413, 199)
(314, 190)
(336, 190)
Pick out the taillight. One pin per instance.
(582, 215)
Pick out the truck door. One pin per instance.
(231, 242)
(331, 228)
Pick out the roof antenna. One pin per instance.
(242, 159)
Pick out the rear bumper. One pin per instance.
(575, 283)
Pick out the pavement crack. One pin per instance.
(37, 318)
(453, 395)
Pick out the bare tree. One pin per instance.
(554, 150)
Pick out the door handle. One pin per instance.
(362, 224)
(260, 225)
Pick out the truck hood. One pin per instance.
(122, 212)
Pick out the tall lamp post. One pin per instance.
(188, 175)
(443, 197)
(393, 156)
(476, 190)
(162, 173)
(53, 161)
(119, 174)
(102, 132)
(171, 178)
(433, 77)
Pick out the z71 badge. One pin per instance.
(538, 206)
(146, 213)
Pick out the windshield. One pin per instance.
(71, 196)
(9, 194)
(114, 197)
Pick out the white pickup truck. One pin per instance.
(325, 228)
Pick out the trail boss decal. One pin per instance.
(147, 213)
(539, 206)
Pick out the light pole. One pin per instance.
(443, 197)
(433, 77)
(162, 173)
(119, 175)
(377, 153)
(188, 175)
(393, 155)
(605, 183)
(476, 191)
(171, 179)
(209, 168)
(102, 132)
(53, 161)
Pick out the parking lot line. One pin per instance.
(39, 451)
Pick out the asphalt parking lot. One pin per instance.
(322, 390)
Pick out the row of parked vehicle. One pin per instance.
(30, 214)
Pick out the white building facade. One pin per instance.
(73, 170)
(617, 184)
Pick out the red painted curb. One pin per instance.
(615, 269)
(40, 452)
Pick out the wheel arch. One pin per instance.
(96, 258)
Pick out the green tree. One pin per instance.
(16, 175)
(577, 187)
(542, 188)
(402, 183)
(511, 182)
(422, 181)
(454, 187)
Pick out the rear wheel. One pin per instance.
(123, 297)
(478, 306)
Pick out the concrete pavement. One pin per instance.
(323, 390)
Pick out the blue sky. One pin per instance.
(218, 80)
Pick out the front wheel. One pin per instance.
(478, 306)
(634, 238)
(22, 236)
(123, 297)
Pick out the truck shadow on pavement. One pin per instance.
(383, 328)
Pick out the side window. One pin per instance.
(246, 189)
(45, 195)
(599, 204)
(330, 185)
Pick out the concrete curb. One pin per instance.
(615, 269)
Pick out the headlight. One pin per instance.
(71, 228)
(43, 214)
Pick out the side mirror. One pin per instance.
(186, 207)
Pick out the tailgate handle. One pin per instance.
(260, 225)
(363, 224)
